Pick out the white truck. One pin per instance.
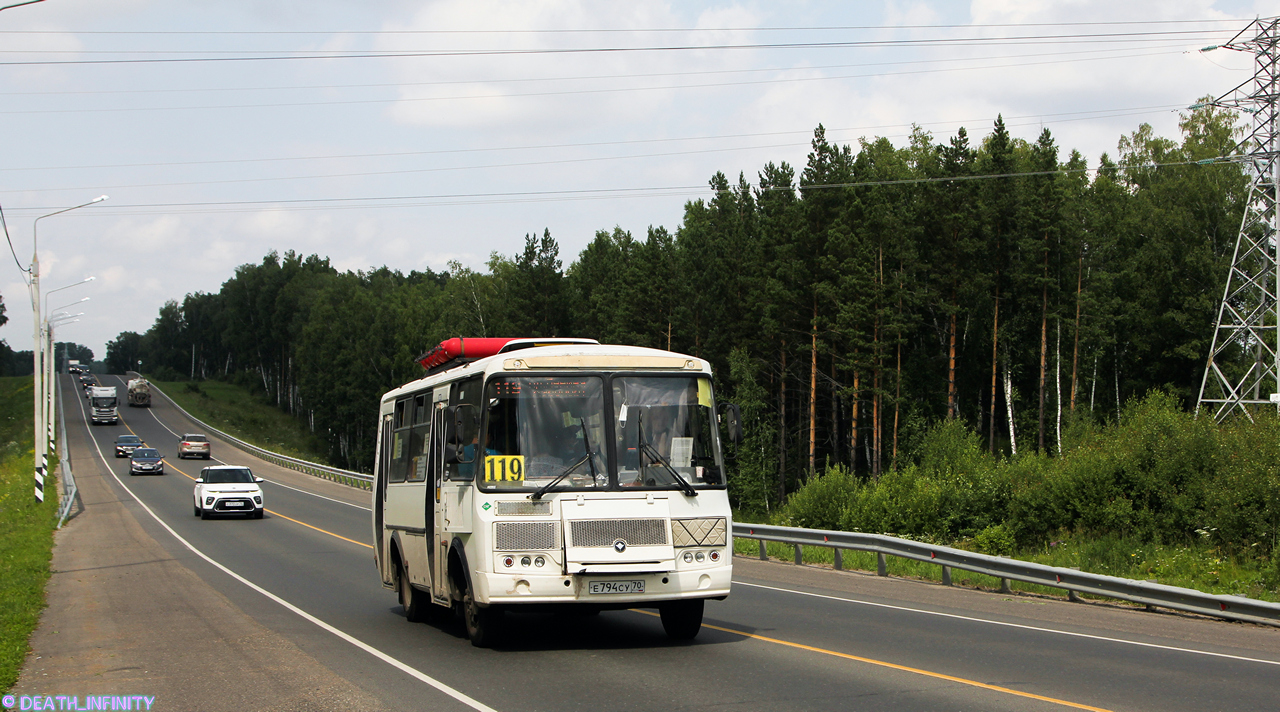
(102, 405)
(139, 393)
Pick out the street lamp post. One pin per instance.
(50, 361)
(50, 373)
(41, 452)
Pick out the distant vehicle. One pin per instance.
(226, 489)
(86, 382)
(73, 367)
(126, 444)
(194, 445)
(102, 404)
(139, 393)
(146, 461)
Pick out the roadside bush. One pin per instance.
(996, 540)
(1159, 475)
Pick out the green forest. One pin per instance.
(851, 306)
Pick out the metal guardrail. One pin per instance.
(346, 477)
(1148, 593)
(70, 493)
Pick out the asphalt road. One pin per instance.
(788, 638)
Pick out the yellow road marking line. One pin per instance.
(895, 666)
(295, 521)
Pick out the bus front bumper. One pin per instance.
(521, 588)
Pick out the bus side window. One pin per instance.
(399, 443)
(417, 469)
(467, 393)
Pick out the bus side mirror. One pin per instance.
(733, 422)
(459, 423)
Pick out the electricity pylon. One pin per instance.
(1243, 371)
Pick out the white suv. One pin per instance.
(227, 489)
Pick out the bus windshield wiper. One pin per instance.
(643, 448)
(560, 477)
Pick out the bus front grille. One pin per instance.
(525, 536)
(604, 532)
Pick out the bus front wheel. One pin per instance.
(482, 623)
(682, 619)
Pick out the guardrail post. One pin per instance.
(839, 559)
(881, 566)
(764, 550)
(946, 575)
(1004, 586)
(799, 555)
(1071, 594)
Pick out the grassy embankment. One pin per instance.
(234, 410)
(1160, 496)
(25, 528)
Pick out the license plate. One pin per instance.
(233, 504)
(616, 587)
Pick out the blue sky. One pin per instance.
(494, 130)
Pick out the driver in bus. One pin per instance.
(558, 449)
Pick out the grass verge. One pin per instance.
(25, 528)
(233, 409)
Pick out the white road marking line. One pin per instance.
(1011, 625)
(455, 694)
(278, 484)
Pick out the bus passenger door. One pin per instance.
(435, 500)
(380, 503)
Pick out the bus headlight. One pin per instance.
(525, 561)
(539, 562)
(700, 556)
(688, 557)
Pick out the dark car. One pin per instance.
(126, 444)
(146, 461)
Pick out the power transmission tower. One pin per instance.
(1243, 370)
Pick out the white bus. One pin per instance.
(546, 473)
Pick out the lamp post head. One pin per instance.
(98, 199)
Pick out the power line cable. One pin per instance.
(608, 193)
(1130, 37)
(566, 92)
(606, 30)
(444, 169)
(609, 77)
(1081, 115)
(14, 252)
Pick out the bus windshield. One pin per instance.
(665, 428)
(540, 429)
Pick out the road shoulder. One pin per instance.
(126, 618)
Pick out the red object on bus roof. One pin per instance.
(462, 348)
(470, 349)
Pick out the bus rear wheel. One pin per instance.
(682, 619)
(483, 624)
(415, 604)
